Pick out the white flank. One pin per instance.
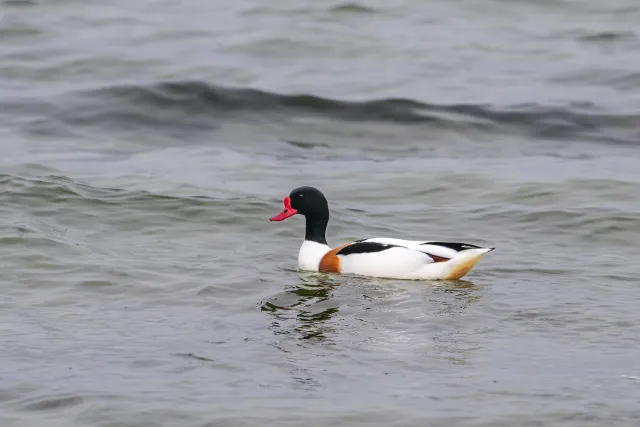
(410, 263)
(392, 263)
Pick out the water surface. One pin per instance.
(145, 145)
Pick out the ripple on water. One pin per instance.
(142, 283)
(51, 403)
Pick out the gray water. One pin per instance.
(144, 145)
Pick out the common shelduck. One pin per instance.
(377, 257)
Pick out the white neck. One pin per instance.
(311, 254)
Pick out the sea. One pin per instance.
(145, 145)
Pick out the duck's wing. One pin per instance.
(398, 247)
(436, 250)
(446, 249)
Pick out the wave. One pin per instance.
(199, 106)
(352, 8)
(49, 190)
(607, 36)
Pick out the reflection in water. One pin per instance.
(455, 297)
(453, 344)
(416, 319)
(309, 302)
(407, 321)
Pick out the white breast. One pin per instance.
(311, 254)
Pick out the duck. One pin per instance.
(378, 257)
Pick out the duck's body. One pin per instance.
(377, 257)
(392, 258)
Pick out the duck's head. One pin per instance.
(306, 201)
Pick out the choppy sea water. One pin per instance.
(143, 147)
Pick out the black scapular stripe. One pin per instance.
(364, 248)
(453, 245)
